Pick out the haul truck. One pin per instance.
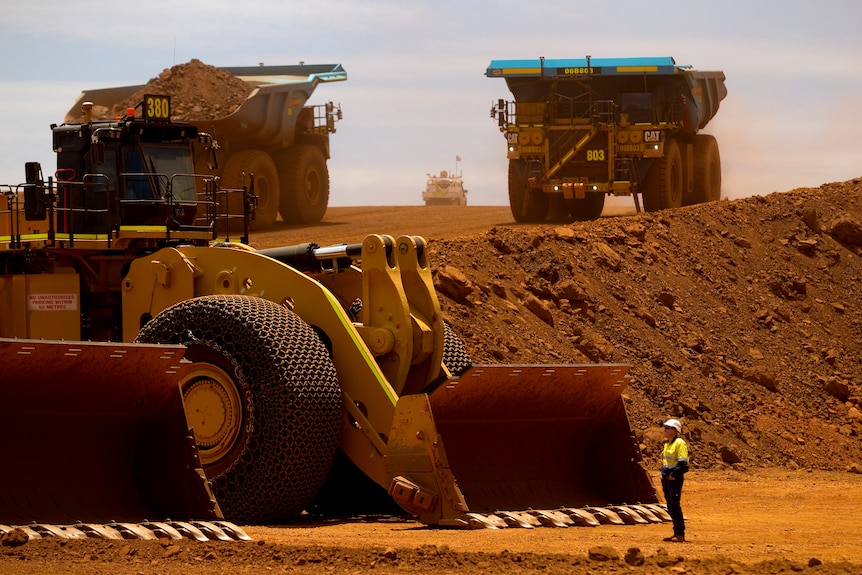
(581, 129)
(272, 135)
(155, 368)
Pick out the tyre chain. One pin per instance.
(292, 400)
(455, 356)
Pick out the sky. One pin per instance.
(416, 94)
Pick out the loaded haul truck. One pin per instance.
(271, 135)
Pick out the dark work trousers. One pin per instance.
(673, 494)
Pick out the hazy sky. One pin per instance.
(416, 94)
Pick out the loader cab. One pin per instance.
(133, 171)
(155, 183)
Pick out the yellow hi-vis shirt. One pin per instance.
(674, 453)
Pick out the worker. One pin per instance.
(674, 466)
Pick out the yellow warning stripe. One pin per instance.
(160, 232)
(77, 236)
(506, 71)
(57, 237)
(624, 69)
(143, 229)
(25, 237)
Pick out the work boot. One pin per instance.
(676, 539)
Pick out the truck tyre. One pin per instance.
(266, 186)
(304, 185)
(707, 169)
(265, 400)
(588, 208)
(527, 204)
(664, 180)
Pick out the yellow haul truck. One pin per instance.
(581, 129)
(155, 368)
(272, 135)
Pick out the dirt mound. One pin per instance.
(198, 91)
(741, 318)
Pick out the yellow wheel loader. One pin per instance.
(155, 368)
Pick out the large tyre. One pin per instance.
(264, 401)
(558, 209)
(266, 185)
(527, 204)
(588, 208)
(304, 185)
(707, 170)
(664, 180)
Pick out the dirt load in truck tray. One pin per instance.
(198, 92)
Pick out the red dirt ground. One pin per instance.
(741, 318)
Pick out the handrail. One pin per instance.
(90, 208)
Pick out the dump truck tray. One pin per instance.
(267, 117)
(703, 90)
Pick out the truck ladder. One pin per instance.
(579, 145)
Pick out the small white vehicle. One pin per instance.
(446, 189)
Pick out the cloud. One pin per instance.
(417, 95)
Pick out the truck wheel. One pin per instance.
(588, 208)
(527, 204)
(304, 185)
(707, 169)
(558, 209)
(264, 402)
(664, 180)
(266, 186)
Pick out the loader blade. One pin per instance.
(540, 437)
(97, 433)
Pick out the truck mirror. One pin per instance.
(211, 148)
(35, 208)
(212, 155)
(32, 172)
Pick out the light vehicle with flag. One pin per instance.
(446, 188)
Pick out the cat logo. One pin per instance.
(652, 135)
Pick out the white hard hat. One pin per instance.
(675, 424)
